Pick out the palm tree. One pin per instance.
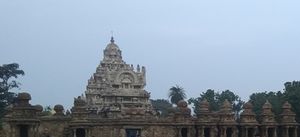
(176, 93)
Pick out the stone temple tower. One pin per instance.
(117, 87)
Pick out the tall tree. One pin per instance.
(162, 106)
(216, 100)
(210, 96)
(8, 74)
(234, 99)
(275, 98)
(292, 93)
(176, 93)
(258, 100)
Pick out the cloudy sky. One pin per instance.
(244, 46)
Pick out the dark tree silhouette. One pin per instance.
(8, 74)
(216, 100)
(176, 93)
(292, 94)
(162, 106)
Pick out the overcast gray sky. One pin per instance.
(242, 45)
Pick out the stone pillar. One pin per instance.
(86, 133)
(225, 132)
(153, 133)
(218, 131)
(275, 132)
(178, 132)
(213, 132)
(190, 132)
(246, 132)
(89, 132)
(234, 132)
(201, 132)
(13, 131)
(255, 129)
(15, 128)
(115, 132)
(74, 132)
(32, 131)
(35, 131)
(123, 132)
(286, 131)
(266, 132)
(10, 131)
(296, 132)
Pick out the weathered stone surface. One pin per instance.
(117, 88)
(115, 104)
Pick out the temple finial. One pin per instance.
(112, 39)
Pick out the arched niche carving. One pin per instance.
(128, 73)
(126, 79)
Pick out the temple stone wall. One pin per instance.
(146, 131)
(104, 131)
(4, 131)
(53, 127)
(116, 104)
(157, 131)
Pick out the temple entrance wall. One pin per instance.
(23, 131)
(80, 132)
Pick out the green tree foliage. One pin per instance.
(234, 99)
(8, 74)
(258, 100)
(216, 100)
(275, 98)
(292, 94)
(162, 106)
(210, 95)
(176, 93)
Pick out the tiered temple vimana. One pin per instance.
(115, 104)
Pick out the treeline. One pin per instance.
(291, 93)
